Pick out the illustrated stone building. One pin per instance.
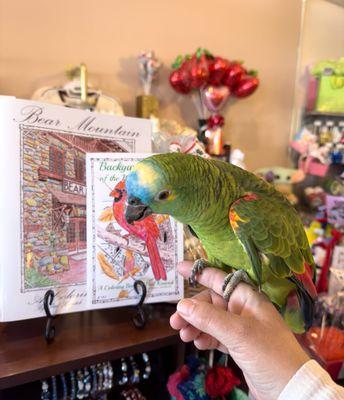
(54, 200)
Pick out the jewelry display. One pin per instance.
(96, 381)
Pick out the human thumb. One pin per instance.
(209, 319)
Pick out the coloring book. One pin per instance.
(43, 208)
(120, 253)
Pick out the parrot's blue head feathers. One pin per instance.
(136, 188)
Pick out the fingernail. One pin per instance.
(185, 306)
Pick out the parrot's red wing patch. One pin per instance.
(250, 196)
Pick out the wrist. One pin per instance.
(289, 366)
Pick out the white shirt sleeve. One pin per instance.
(311, 382)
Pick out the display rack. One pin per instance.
(82, 339)
(310, 116)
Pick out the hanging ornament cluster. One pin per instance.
(217, 78)
(211, 81)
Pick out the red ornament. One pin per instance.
(246, 86)
(180, 80)
(215, 121)
(214, 135)
(220, 381)
(234, 74)
(199, 72)
(217, 70)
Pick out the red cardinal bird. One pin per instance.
(147, 230)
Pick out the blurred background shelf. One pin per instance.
(82, 339)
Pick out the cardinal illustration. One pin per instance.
(146, 230)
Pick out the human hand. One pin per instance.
(249, 328)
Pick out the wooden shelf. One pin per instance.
(82, 339)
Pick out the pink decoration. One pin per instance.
(312, 167)
(175, 379)
(215, 97)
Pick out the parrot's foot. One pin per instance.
(197, 268)
(232, 280)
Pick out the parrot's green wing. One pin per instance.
(267, 223)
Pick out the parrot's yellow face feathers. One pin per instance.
(146, 174)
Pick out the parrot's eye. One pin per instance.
(163, 195)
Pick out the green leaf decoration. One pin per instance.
(199, 53)
(178, 62)
(252, 72)
(207, 53)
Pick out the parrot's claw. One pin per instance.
(232, 280)
(197, 268)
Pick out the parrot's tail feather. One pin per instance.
(305, 300)
(307, 280)
(155, 259)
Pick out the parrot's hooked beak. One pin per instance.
(135, 210)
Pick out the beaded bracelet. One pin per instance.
(45, 394)
(54, 388)
(64, 387)
(72, 386)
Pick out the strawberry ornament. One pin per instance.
(246, 86)
(234, 74)
(199, 71)
(179, 82)
(217, 70)
(180, 78)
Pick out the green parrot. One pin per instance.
(246, 227)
